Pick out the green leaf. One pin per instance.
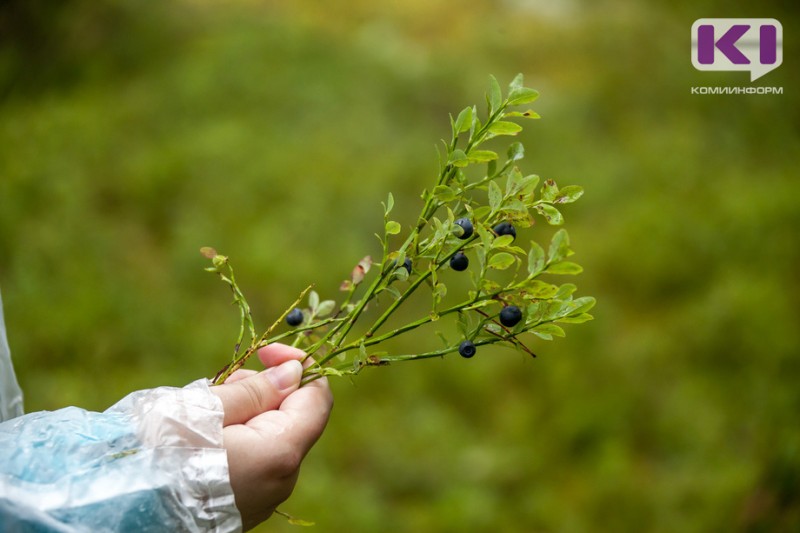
(515, 182)
(505, 128)
(559, 247)
(480, 254)
(325, 308)
(564, 267)
(577, 319)
(516, 151)
(476, 122)
(313, 300)
(538, 289)
(516, 83)
(550, 214)
(581, 305)
(440, 231)
(495, 96)
(550, 329)
(480, 303)
(529, 184)
(554, 309)
(444, 339)
(450, 216)
(439, 291)
(490, 287)
(401, 273)
(568, 194)
(534, 313)
(516, 250)
(480, 156)
(535, 259)
(458, 158)
(443, 193)
(491, 167)
(464, 121)
(463, 324)
(521, 220)
(393, 291)
(495, 196)
(503, 241)
(387, 207)
(516, 207)
(481, 212)
(485, 236)
(549, 191)
(493, 328)
(565, 291)
(524, 114)
(392, 227)
(501, 261)
(522, 95)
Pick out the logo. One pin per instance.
(755, 45)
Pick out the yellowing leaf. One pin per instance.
(564, 267)
(392, 227)
(501, 261)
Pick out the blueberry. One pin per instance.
(505, 228)
(295, 317)
(467, 349)
(459, 262)
(407, 265)
(510, 316)
(466, 225)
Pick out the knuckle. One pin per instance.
(255, 395)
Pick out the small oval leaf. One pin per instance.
(564, 267)
(503, 127)
(392, 227)
(501, 261)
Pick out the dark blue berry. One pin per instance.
(459, 262)
(505, 228)
(407, 265)
(466, 225)
(510, 316)
(295, 317)
(467, 349)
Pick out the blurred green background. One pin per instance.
(133, 133)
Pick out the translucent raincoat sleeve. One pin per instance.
(10, 393)
(152, 462)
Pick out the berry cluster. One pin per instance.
(509, 296)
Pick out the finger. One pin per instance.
(276, 353)
(240, 374)
(301, 418)
(259, 393)
(310, 411)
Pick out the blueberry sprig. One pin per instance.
(468, 224)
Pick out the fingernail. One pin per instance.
(286, 375)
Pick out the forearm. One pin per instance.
(154, 460)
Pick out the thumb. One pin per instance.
(251, 396)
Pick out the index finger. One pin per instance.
(276, 354)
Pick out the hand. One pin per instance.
(269, 426)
